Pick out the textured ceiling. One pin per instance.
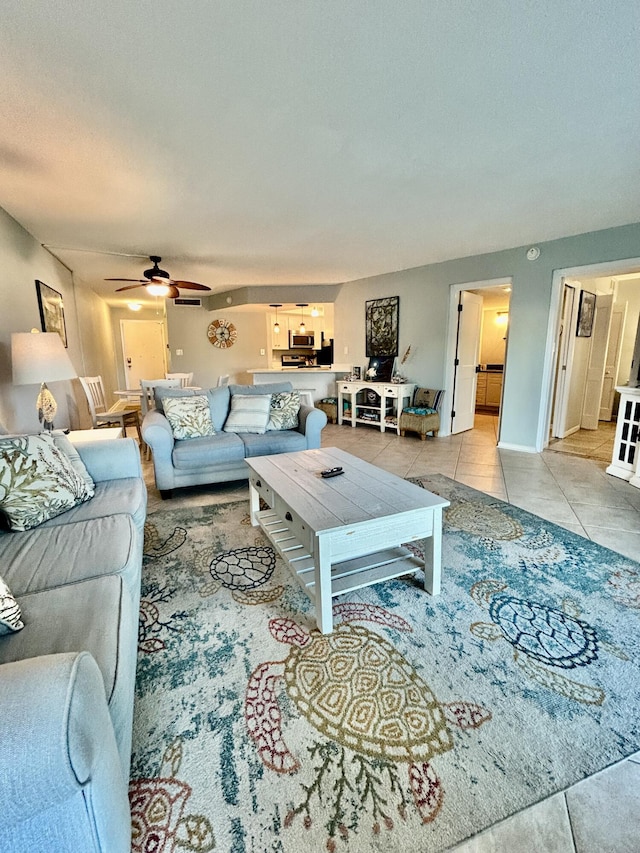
(306, 142)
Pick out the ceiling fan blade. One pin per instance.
(129, 286)
(174, 293)
(190, 285)
(139, 280)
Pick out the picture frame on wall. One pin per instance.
(51, 310)
(586, 314)
(381, 325)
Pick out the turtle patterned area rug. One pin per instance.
(417, 723)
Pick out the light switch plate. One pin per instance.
(179, 352)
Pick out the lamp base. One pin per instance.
(47, 407)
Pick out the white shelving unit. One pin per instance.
(385, 408)
(626, 445)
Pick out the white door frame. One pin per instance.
(612, 268)
(452, 334)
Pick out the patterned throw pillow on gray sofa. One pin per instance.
(284, 411)
(37, 481)
(190, 417)
(10, 616)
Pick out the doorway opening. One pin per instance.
(477, 347)
(592, 360)
(144, 350)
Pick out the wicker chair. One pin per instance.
(329, 406)
(415, 419)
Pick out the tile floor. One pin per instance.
(602, 813)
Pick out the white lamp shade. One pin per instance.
(39, 357)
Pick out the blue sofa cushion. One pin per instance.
(127, 496)
(274, 441)
(269, 388)
(218, 401)
(71, 552)
(76, 617)
(191, 453)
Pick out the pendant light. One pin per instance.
(276, 325)
(302, 306)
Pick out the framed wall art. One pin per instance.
(51, 310)
(381, 322)
(586, 313)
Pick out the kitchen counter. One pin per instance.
(319, 381)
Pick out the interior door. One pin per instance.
(563, 366)
(144, 350)
(612, 363)
(597, 359)
(467, 348)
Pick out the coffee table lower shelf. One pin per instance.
(346, 576)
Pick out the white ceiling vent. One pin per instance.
(189, 301)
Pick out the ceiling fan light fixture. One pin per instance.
(134, 306)
(156, 289)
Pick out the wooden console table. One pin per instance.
(375, 403)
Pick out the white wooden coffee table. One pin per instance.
(346, 532)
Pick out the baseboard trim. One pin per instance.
(521, 448)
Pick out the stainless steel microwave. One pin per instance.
(304, 340)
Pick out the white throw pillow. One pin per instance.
(284, 410)
(37, 481)
(190, 417)
(248, 413)
(10, 616)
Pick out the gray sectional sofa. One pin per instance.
(220, 458)
(67, 679)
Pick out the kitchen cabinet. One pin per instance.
(279, 341)
(489, 390)
(375, 403)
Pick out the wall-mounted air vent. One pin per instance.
(191, 302)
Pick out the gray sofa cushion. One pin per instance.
(219, 449)
(218, 401)
(82, 616)
(127, 496)
(269, 388)
(275, 441)
(51, 556)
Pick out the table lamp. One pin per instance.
(38, 358)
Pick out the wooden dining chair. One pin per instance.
(148, 400)
(185, 378)
(102, 416)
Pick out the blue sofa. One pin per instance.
(220, 458)
(68, 677)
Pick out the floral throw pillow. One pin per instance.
(190, 417)
(10, 616)
(37, 481)
(284, 410)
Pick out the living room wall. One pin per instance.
(188, 332)
(23, 260)
(424, 316)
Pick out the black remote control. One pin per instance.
(332, 472)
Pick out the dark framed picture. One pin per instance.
(381, 323)
(586, 313)
(357, 372)
(51, 310)
(380, 368)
